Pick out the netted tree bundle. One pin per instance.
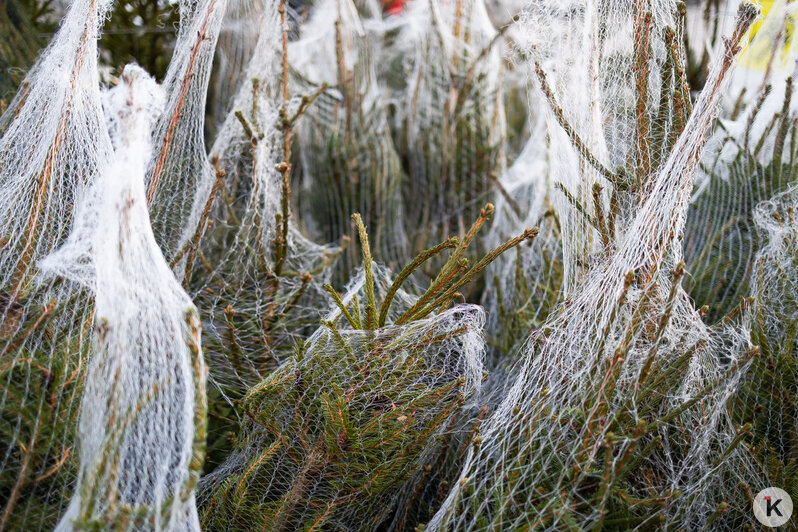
(450, 123)
(752, 158)
(339, 430)
(179, 165)
(247, 147)
(256, 279)
(346, 152)
(618, 416)
(774, 271)
(54, 141)
(238, 40)
(349, 423)
(54, 138)
(637, 437)
(142, 423)
(612, 75)
(610, 106)
(766, 398)
(639, 340)
(338, 458)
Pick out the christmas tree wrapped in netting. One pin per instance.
(336, 434)
(750, 159)
(143, 411)
(255, 276)
(766, 397)
(450, 121)
(264, 271)
(179, 175)
(338, 430)
(618, 415)
(54, 142)
(346, 153)
(739, 233)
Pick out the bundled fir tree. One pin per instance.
(450, 125)
(618, 414)
(346, 153)
(54, 141)
(256, 278)
(143, 411)
(751, 159)
(337, 431)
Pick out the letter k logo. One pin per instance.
(773, 507)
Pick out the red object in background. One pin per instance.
(393, 7)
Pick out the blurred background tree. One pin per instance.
(19, 45)
(140, 31)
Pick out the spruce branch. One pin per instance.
(579, 144)
(193, 243)
(371, 303)
(408, 270)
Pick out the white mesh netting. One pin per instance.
(522, 287)
(347, 157)
(772, 384)
(332, 442)
(53, 143)
(590, 421)
(179, 165)
(450, 121)
(640, 349)
(142, 422)
(256, 279)
(751, 158)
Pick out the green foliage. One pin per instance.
(721, 239)
(42, 386)
(335, 435)
(524, 299)
(766, 399)
(337, 430)
(20, 44)
(451, 139)
(348, 159)
(143, 32)
(329, 427)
